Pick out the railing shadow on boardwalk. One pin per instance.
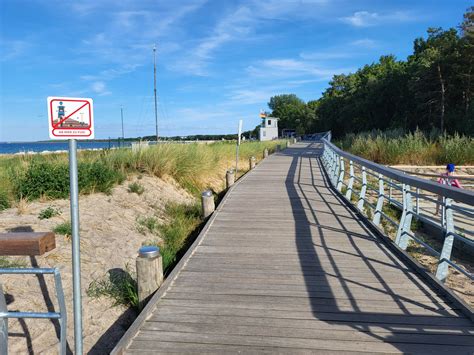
(363, 321)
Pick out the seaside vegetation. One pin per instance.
(64, 228)
(395, 147)
(191, 165)
(136, 188)
(49, 212)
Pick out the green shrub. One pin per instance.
(4, 201)
(64, 228)
(49, 212)
(120, 286)
(147, 224)
(136, 188)
(51, 179)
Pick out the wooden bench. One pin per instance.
(26, 243)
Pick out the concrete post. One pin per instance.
(149, 273)
(294, 140)
(265, 153)
(229, 178)
(208, 205)
(288, 143)
(252, 162)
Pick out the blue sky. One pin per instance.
(217, 61)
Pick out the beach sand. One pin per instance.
(109, 243)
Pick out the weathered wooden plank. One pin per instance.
(156, 346)
(366, 335)
(314, 302)
(26, 243)
(314, 324)
(314, 344)
(388, 307)
(358, 317)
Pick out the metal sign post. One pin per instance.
(237, 149)
(72, 119)
(76, 251)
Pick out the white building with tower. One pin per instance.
(268, 128)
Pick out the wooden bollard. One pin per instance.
(208, 205)
(265, 153)
(252, 162)
(149, 273)
(229, 178)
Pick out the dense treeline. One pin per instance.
(432, 90)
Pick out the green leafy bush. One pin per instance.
(4, 201)
(49, 212)
(136, 188)
(147, 224)
(64, 228)
(51, 179)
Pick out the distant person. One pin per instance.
(447, 179)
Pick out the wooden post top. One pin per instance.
(26, 243)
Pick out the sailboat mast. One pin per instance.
(154, 80)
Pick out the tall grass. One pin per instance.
(395, 147)
(191, 165)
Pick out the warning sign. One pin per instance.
(70, 118)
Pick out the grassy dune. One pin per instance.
(393, 147)
(193, 166)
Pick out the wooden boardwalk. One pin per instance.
(285, 267)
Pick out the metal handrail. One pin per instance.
(61, 315)
(335, 160)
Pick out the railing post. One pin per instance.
(390, 192)
(380, 199)
(417, 201)
(341, 175)
(350, 186)
(3, 324)
(335, 170)
(442, 271)
(363, 189)
(405, 221)
(62, 311)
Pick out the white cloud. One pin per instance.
(242, 24)
(12, 49)
(362, 19)
(365, 43)
(293, 68)
(100, 88)
(367, 19)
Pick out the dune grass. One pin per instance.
(191, 165)
(395, 147)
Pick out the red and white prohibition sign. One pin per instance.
(70, 118)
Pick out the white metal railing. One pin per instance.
(365, 184)
(61, 315)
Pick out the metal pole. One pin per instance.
(76, 258)
(154, 81)
(121, 114)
